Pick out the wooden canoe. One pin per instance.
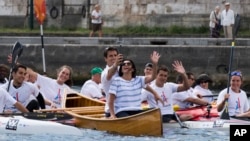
(91, 115)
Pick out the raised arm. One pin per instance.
(31, 74)
(154, 58)
(178, 67)
(112, 70)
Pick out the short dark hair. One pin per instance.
(105, 54)
(163, 68)
(16, 67)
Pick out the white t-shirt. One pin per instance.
(180, 97)
(237, 102)
(127, 93)
(203, 92)
(5, 98)
(106, 84)
(97, 15)
(23, 94)
(165, 93)
(91, 89)
(51, 90)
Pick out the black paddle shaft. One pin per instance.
(225, 114)
(16, 53)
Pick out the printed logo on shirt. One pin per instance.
(58, 98)
(237, 108)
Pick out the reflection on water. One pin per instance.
(173, 134)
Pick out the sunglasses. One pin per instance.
(236, 73)
(126, 63)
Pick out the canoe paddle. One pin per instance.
(179, 121)
(17, 50)
(225, 114)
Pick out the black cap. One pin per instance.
(202, 78)
(149, 65)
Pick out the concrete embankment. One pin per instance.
(198, 55)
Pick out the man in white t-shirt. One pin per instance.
(91, 88)
(24, 92)
(5, 98)
(165, 90)
(227, 21)
(113, 60)
(96, 20)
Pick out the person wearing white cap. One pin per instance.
(227, 20)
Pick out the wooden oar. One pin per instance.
(89, 108)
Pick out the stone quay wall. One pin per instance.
(204, 55)
(161, 13)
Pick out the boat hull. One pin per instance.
(209, 123)
(147, 123)
(20, 125)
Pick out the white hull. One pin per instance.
(20, 125)
(219, 123)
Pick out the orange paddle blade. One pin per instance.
(40, 10)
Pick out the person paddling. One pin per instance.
(238, 104)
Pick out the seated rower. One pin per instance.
(166, 90)
(201, 88)
(91, 88)
(238, 104)
(6, 98)
(186, 99)
(23, 91)
(125, 89)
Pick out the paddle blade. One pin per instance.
(236, 25)
(16, 52)
(40, 10)
(225, 114)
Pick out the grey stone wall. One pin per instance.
(118, 13)
(211, 59)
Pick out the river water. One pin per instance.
(174, 134)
